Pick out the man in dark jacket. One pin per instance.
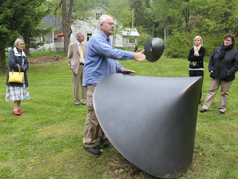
(223, 65)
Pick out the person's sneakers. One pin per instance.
(93, 150)
(76, 104)
(17, 113)
(20, 111)
(203, 110)
(107, 145)
(222, 112)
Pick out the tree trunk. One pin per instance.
(165, 35)
(27, 51)
(166, 30)
(3, 66)
(27, 45)
(66, 22)
(186, 14)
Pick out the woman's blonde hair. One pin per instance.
(17, 42)
(199, 38)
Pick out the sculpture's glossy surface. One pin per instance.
(154, 48)
(151, 121)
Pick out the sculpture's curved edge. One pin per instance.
(174, 175)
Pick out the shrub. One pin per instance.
(141, 40)
(178, 45)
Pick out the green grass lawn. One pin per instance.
(45, 142)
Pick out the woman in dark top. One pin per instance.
(195, 57)
(17, 91)
(223, 65)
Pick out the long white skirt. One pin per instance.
(15, 93)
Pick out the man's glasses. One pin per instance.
(109, 23)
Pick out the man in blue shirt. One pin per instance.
(100, 61)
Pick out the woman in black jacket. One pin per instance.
(195, 57)
(223, 65)
(17, 91)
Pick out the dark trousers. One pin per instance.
(197, 73)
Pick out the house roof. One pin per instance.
(130, 32)
(52, 21)
(101, 5)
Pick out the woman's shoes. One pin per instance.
(17, 113)
(20, 111)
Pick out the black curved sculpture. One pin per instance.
(154, 48)
(151, 121)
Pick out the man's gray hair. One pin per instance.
(102, 19)
(79, 33)
(18, 41)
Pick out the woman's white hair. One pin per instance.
(18, 41)
(103, 19)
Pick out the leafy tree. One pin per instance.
(138, 8)
(29, 30)
(164, 14)
(16, 18)
(121, 9)
(7, 27)
(69, 10)
(147, 3)
(150, 25)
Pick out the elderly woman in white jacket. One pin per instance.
(17, 91)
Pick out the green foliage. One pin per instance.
(29, 27)
(178, 45)
(138, 8)
(19, 18)
(121, 9)
(205, 17)
(144, 36)
(211, 42)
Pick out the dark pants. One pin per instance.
(197, 73)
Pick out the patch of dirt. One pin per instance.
(119, 167)
(45, 59)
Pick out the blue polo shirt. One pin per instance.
(100, 59)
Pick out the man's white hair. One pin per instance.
(103, 19)
(78, 34)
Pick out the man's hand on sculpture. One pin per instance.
(127, 71)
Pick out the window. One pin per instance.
(89, 35)
(131, 40)
(98, 14)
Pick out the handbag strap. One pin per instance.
(18, 69)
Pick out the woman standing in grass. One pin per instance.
(223, 65)
(196, 56)
(17, 91)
